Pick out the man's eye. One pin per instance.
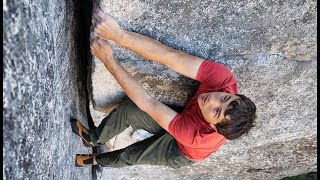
(224, 99)
(217, 112)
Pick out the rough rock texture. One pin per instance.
(270, 46)
(211, 30)
(41, 91)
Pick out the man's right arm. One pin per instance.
(147, 47)
(152, 49)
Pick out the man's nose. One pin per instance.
(214, 101)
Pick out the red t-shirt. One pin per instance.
(195, 138)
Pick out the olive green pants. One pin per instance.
(159, 149)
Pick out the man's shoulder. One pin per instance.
(216, 77)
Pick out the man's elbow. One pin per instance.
(148, 104)
(172, 58)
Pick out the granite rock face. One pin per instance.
(270, 46)
(41, 91)
(210, 30)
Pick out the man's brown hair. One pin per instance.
(242, 113)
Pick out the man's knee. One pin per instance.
(127, 157)
(129, 106)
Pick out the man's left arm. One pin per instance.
(161, 113)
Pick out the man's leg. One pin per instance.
(160, 149)
(126, 114)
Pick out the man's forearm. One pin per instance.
(147, 47)
(131, 86)
(161, 113)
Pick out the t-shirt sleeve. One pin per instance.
(184, 131)
(215, 76)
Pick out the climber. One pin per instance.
(216, 113)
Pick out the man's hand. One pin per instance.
(106, 27)
(102, 50)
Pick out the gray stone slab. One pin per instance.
(41, 91)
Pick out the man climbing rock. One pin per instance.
(214, 114)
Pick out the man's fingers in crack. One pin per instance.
(95, 45)
(94, 40)
(96, 32)
(93, 48)
(93, 51)
(97, 27)
(100, 13)
(103, 42)
(98, 24)
(97, 15)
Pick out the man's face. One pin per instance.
(213, 106)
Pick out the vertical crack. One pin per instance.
(83, 15)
